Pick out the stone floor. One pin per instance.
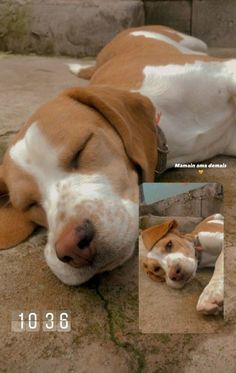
(105, 336)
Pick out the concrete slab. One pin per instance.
(214, 22)
(176, 14)
(104, 336)
(223, 52)
(32, 80)
(77, 28)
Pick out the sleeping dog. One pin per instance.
(174, 257)
(75, 165)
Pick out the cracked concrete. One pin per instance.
(104, 335)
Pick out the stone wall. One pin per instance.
(75, 28)
(214, 21)
(82, 27)
(200, 202)
(176, 14)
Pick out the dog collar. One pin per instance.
(198, 249)
(162, 148)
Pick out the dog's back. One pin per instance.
(122, 60)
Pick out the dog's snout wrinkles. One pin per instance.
(76, 244)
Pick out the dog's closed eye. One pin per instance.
(30, 205)
(74, 162)
(169, 246)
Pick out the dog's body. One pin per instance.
(191, 91)
(75, 165)
(174, 257)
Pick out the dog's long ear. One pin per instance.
(132, 116)
(153, 234)
(15, 225)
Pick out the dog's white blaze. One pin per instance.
(194, 99)
(156, 255)
(71, 193)
(188, 263)
(168, 260)
(38, 158)
(183, 47)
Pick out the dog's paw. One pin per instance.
(212, 299)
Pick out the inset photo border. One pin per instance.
(181, 258)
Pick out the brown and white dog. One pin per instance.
(174, 257)
(75, 165)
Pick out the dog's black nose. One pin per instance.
(176, 273)
(76, 245)
(85, 234)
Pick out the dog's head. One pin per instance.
(74, 168)
(171, 255)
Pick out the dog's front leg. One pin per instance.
(212, 298)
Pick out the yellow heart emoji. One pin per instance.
(200, 172)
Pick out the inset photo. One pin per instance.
(181, 258)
